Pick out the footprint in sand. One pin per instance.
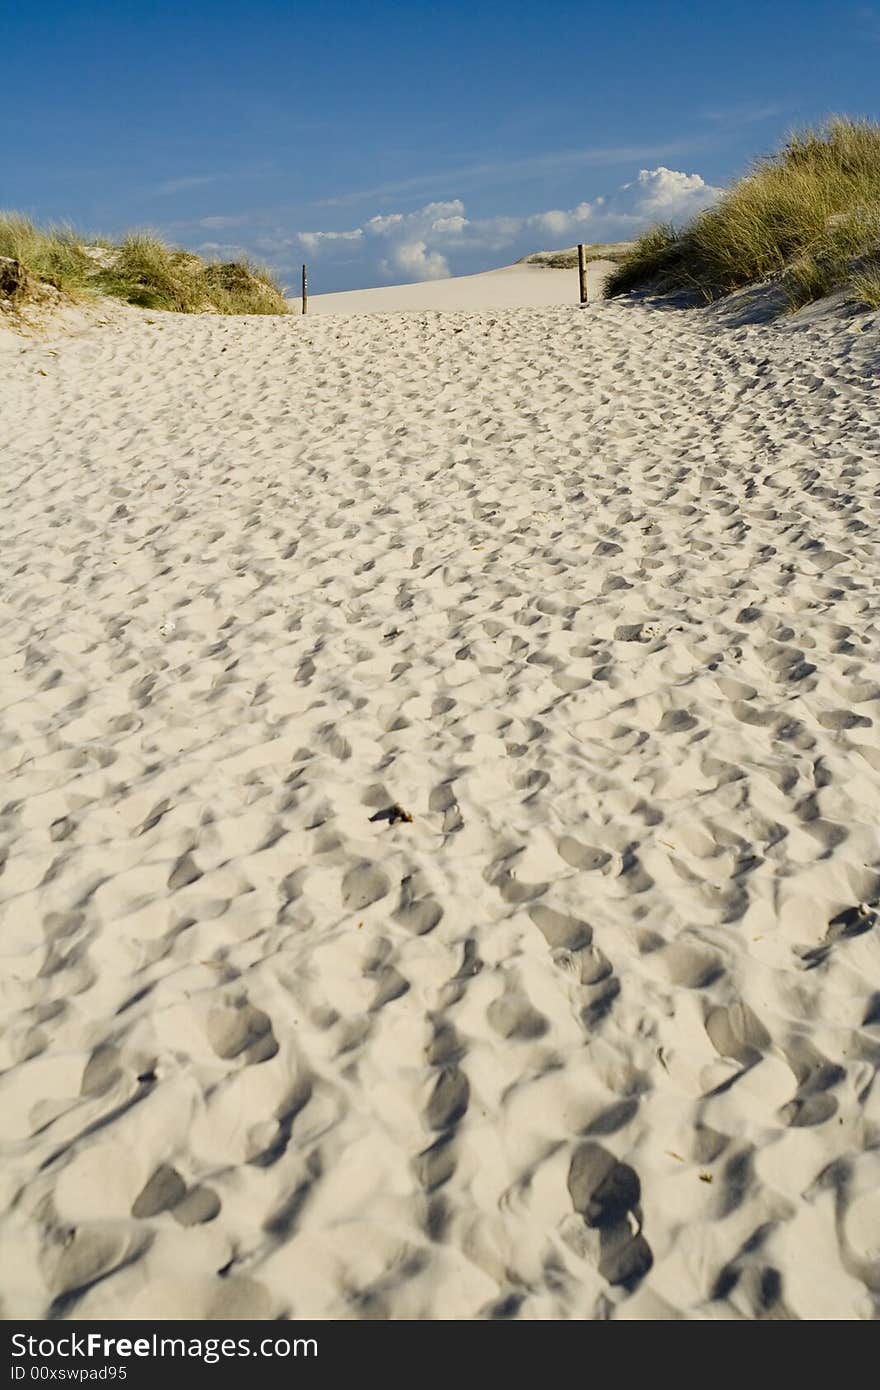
(241, 1031)
(607, 1195)
(363, 884)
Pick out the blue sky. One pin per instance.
(384, 142)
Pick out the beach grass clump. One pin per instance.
(804, 216)
(142, 269)
(567, 257)
(145, 271)
(835, 259)
(864, 287)
(655, 256)
(53, 256)
(243, 287)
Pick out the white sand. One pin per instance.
(593, 595)
(512, 287)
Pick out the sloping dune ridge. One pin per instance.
(512, 287)
(440, 819)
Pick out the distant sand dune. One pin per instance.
(590, 595)
(513, 287)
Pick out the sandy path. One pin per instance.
(593, 596)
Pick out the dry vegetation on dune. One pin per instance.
(567, 258)
(807, 216)
(141, 270)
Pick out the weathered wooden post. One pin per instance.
(305, 292)
(582, 270)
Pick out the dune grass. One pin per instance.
(242, 287)
(145, 271)
(655, 256)
(142, 269)
(567, 257)
(807, 216)
(865, 288)
(54, 256)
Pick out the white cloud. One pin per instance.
(378, 226)
(417, 245)
(656, 195)
(449, 224)
(418, 263)
(434, 219)
(663, 194)
(313, 241)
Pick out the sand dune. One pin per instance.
(591, 596)
(513, 287)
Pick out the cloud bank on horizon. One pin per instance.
(439, 239)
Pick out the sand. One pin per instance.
(440, 818)
(513, 287)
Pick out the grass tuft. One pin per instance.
(567, 258)
(655, 256)
(145, 271)
(805, 216)
(141, 270)
(241, 287)
(864, 288)
(54, 256)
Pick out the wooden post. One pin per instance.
(305, 292)
(582, 270)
